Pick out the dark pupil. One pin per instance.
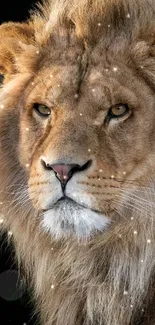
(1, 78)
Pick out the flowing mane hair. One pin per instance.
(124, 17)
(110, 279)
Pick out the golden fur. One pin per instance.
(81, 57)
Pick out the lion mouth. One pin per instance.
(64, 200)
(68, 201)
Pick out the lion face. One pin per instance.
(86, 142)
(85, 119)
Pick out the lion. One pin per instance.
(77, 148)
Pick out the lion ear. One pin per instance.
(13, 38)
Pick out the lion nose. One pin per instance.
(64, 172)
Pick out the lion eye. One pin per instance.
(119, 110)
(42, 110)
(1, 78)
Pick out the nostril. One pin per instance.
(85, 166)
(78, 168)
(46, 165)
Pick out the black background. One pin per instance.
(17, 311)
(15, 10)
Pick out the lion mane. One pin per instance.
(68, 72)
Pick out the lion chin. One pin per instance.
(67, 218)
